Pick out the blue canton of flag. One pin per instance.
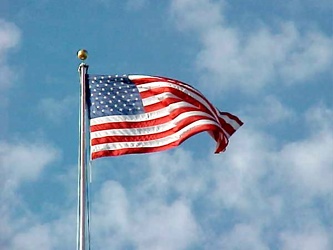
(113, 95)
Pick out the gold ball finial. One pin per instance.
(82, 54)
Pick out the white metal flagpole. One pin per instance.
(82, 201)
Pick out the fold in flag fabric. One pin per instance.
(141, 114)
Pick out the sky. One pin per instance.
(268, 62)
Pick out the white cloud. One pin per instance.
(175, 167)
(136, 4)
(166, 227)
(132, 5)
(319, 117)
(57, 110)
(269, 110)
(38, 237)
(262, 183)
(53, 234)
(306, 164)
(119, 221)
(196, 15)
(310, 54)
(20, 162)
(249, 61)
(9, 35)
(303, 5)
(243, 237)
(112, 195)
(9, 38)
(315, 239)
(24, 161)
(238, 179)
(309, 162)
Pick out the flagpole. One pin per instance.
(82, 200)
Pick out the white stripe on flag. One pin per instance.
(148, 130)
(230, 121)
(141, 117)
(152, 143)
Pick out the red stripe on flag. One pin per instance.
(139, 150)
(152, 136)
(141, 124)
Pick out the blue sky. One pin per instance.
(270, 63)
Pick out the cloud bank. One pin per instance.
(9, 38)
(250, 60)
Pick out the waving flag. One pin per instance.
(141, 114)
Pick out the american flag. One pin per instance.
(141, 114)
